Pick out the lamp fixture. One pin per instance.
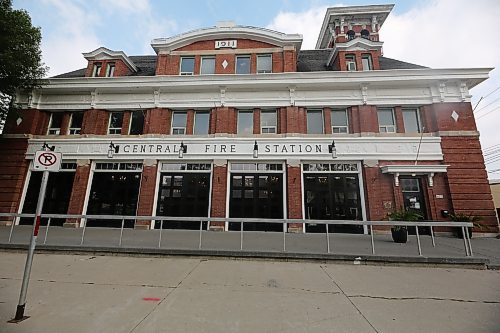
(47, 147)
(113, 149)
(182, 150)
(332, 149)
(255, 150)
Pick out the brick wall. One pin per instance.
(157, 121)
(95, 122)
(33, 122)
(146, 194)
(294, 199)
(78, 194)
(121, 68)
(219, 185)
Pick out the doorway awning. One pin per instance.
(414, 170)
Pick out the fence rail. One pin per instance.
(166, 219)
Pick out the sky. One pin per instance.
(433, 33)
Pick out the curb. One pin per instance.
(363, 259)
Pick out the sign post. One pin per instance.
(48, 161)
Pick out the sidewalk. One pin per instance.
(82, 293)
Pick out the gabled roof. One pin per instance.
(227, 31)
(103, 53)
(355, 44)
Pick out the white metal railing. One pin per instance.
(242, 221)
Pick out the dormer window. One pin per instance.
(187, 65)
(110, 69)
(350, 62)
(351, 35)
(96, 71)
(365, 34)
(366, 60)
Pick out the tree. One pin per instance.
(21, 66)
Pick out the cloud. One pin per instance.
(437, 34)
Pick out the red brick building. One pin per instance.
(238, 121)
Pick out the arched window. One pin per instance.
(350, 35)
(365, 34)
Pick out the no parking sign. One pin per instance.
(47, 161)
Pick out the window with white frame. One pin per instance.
(187, 65)
(243, 64)
(264, 63)
(136, 122)
(411, 120)
(350, 62)
(201, 121)
(75, 125)
(268, 122)
(207, 65)
(245, 122)
(110, 69)
(115, 123)
(366, 61)
(179, 121)
(340, 123)
(386, 120)
(314, 121)
(55, 123)
(96, 70)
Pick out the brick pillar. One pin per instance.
(279, 63)
(295, 120)
(224, 120)
(147, 193)
(379, 193)
(95, 122)
(127, 115)
(289, 60)
(78, 193)
(354, 121)
(327, 118)
(189, 122)
(219, 187)
(32, 121)
(368, 120)
(256, 121)
(398, 115)
(157, 121)
(294, 195)
(65, 123)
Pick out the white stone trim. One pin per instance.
(414, 170)
(103, 53)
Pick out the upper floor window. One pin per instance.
(268, 122)
(243, 64)
(386, 121)
(365, 34)
(411, 120)
(187, 65)
(207, 65)
(350, 62)
(351, 35)
(264, 63)
(340, 121)
(110, 69)
(179, 121)
(75, 125)
(314, 122)
(136, 123)
(201, 121)
(245, 122)
(115, 123)
(96, 70)
(55, 123)
(366, 60)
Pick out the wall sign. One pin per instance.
(222, 44)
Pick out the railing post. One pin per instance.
(284, 238)
(47, 231)
(327, 240)
(469, 242)
(201, 226)
(465, 242)
(418, 241)
(372, 240)
(432, 237)
(161, 229)
(83, 231)
(241, 235)
(121, 233)
(12, 228)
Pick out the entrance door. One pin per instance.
(332, 197)
(414, 200)
(256, 195)
(183, 195)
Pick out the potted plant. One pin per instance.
(461, 217)
(400, 233)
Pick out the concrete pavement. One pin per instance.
(81, 293)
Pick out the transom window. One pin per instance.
(245, 122)
(331, 167)
(264, 63)
(75, 125)
(207, 65)
(243, 64)
(118, 166)
(386, 122)
(201, 121)
(115, 123)
(187, 65)
(96, 70)
(110, 69)
(411, 120)
(55, 123)
(179, 120)
(314, 121)
(340, 121)
(186, 166)
(256, 166)
(136, 123)
(268, 122)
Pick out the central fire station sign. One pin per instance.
(47, 161)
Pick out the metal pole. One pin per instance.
(468, 242)
(121, 233)
(241, 235)
(284, 238)
(418, 241)
(327, 240)
(29, 259)
(161, 228)
(47, 231)
(12, 228)
(83, 231)
(465, 243)
(432, 237)
(201, 226)
(373, 242)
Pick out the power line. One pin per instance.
(492, 92)
(487, 113)
(482, 108)
(491, 147)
